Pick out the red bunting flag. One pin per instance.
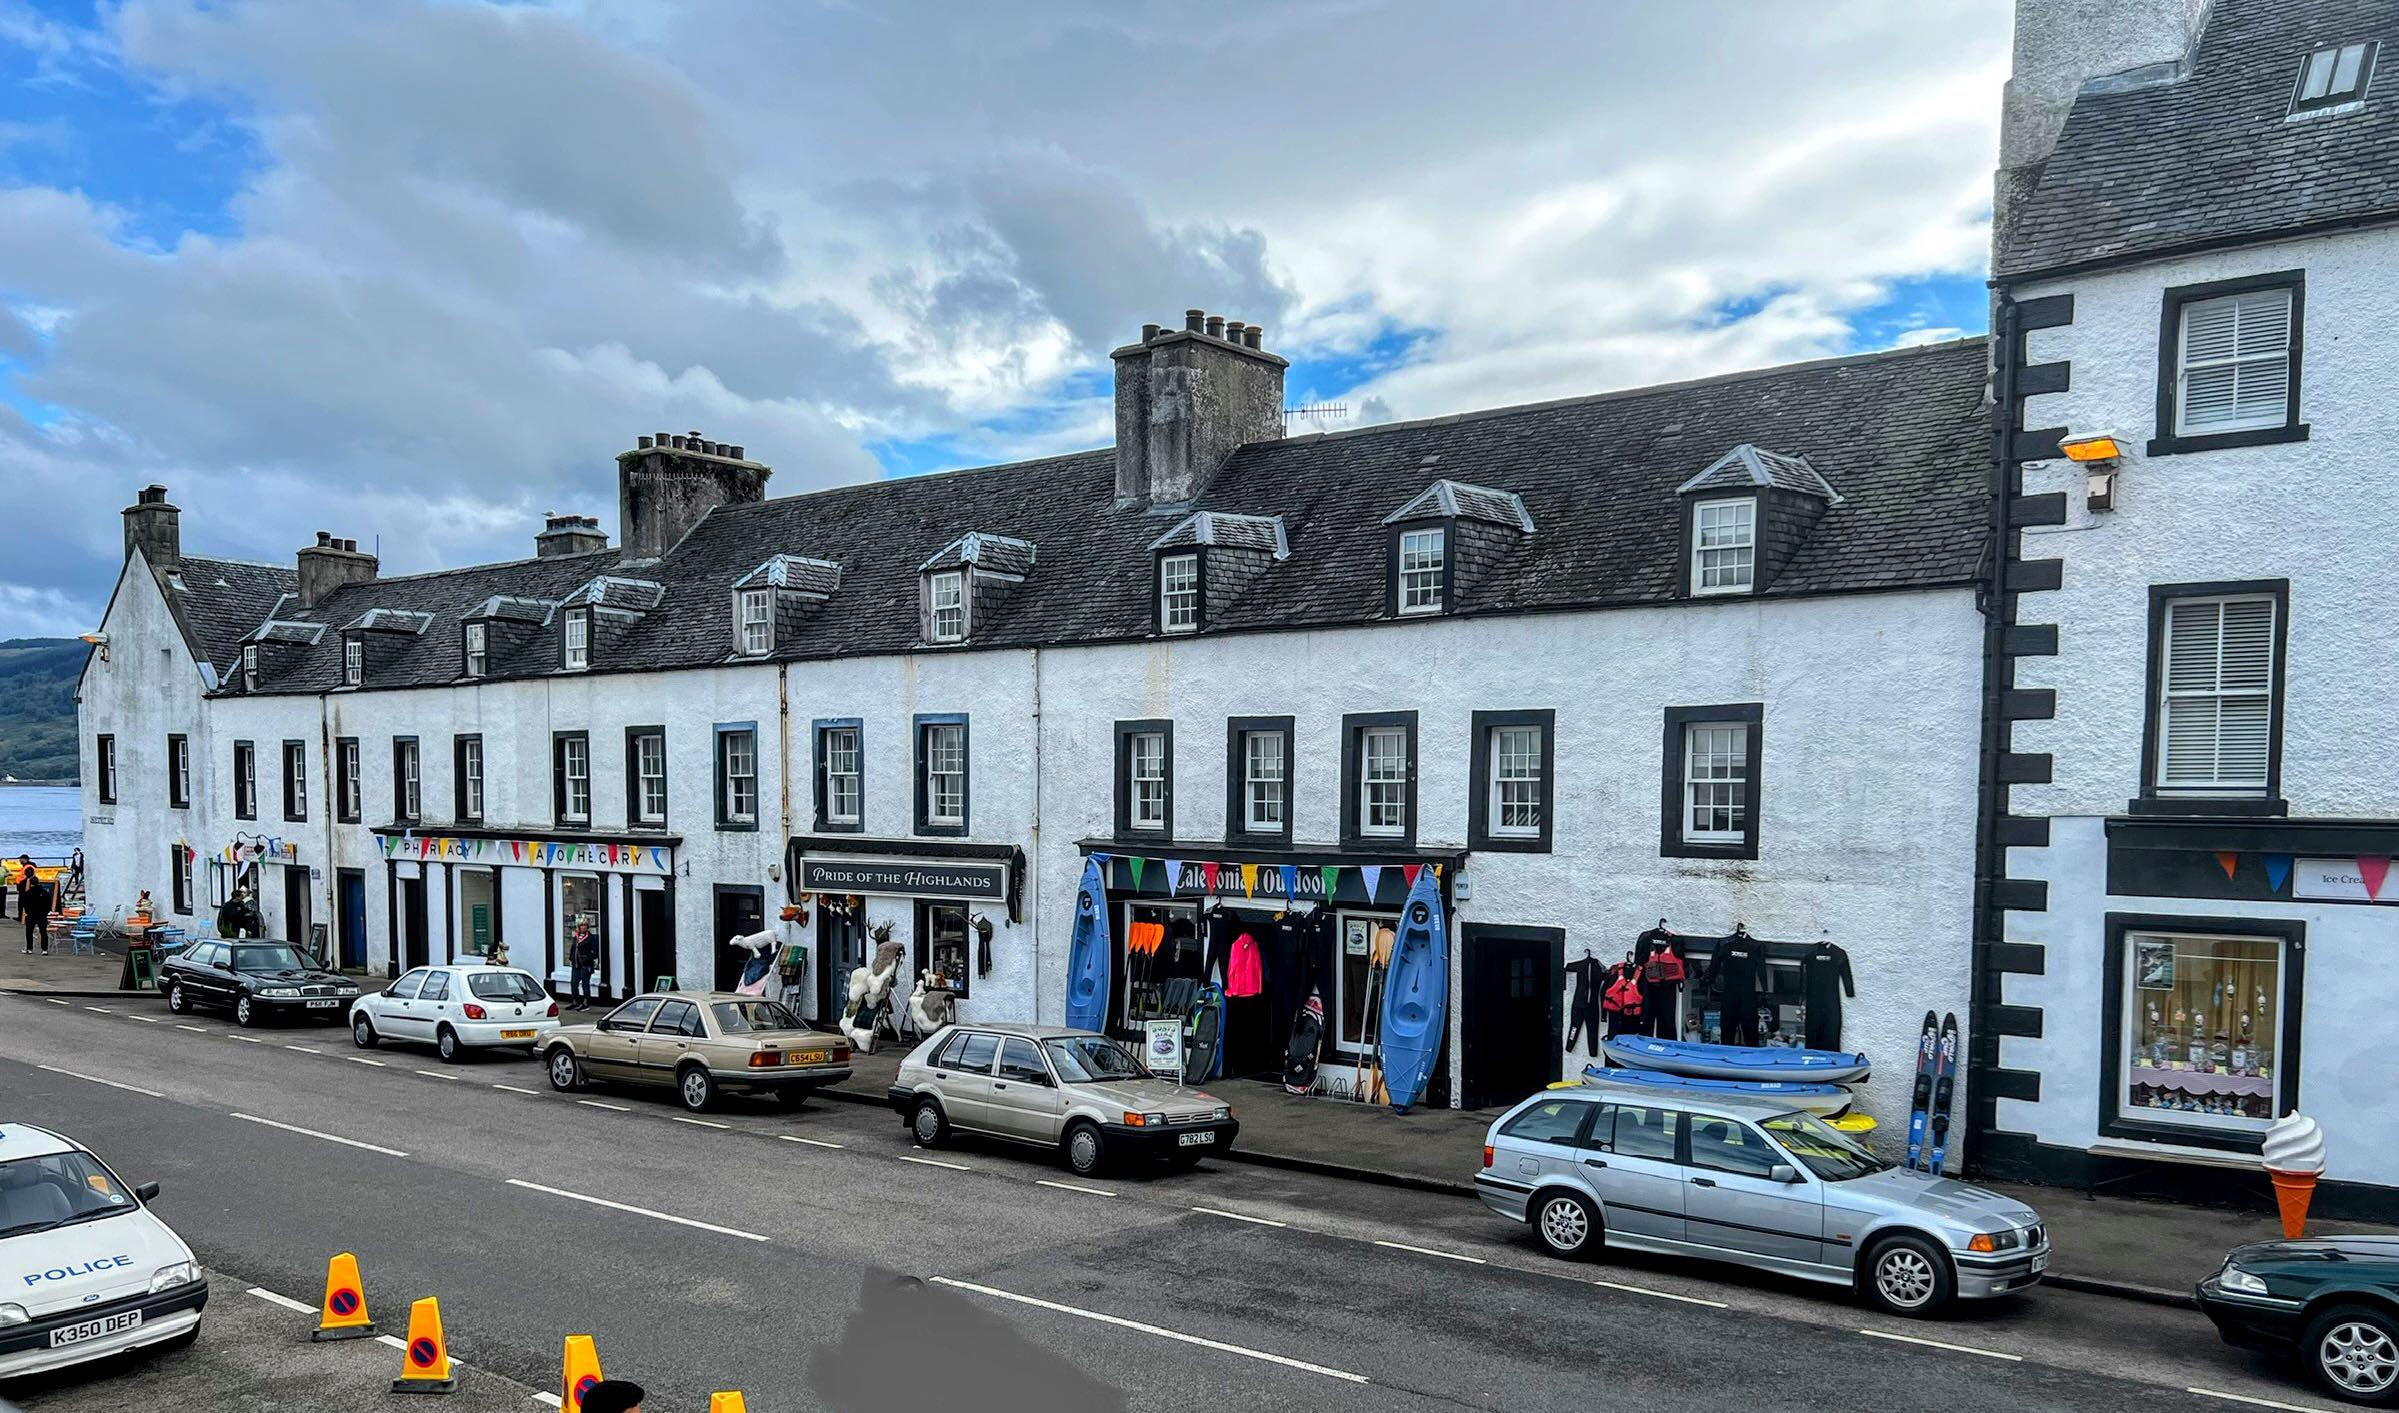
(2228, 860)
(1409, 872)
(1208, 876)
(2372, 871)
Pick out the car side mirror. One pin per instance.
(1782, 1172)
(147, 1191)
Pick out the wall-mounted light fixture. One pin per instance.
(100, 641)
(2099, 456)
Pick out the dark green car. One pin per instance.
(2332, 1300)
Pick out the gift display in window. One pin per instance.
(2205, 1028)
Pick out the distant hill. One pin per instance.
(37, 707)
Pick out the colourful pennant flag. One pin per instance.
(2373, 870)
(1290, 881)
(1373, 875)
(1332, 879)
(2278, 868)
(1134, 864)
(2228, 860)
(1409, 872)
(1249, 880)
(1174, 877)
(1208, 877)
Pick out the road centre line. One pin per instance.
(95, 1079)
(101, 1009)
(1074, 1187)
(811, 1142)
(247, 1039)
(637, 1211)
(1663, 1294)
(146, 1020)
(1428, 1251)
(934, 1163)
(2255, 1401)
(1937, 1344)
(514, 1090)
(53, 1000)
(1238, 1217)
(698, 1123)
(1177, 1335)
(305, 1049)
(363, 1060)
(596, 1104)
(194, 1029)
(285, 1301)
(328, 1137)
(443, 1074)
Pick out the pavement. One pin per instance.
(817, 1259)
(57, 972)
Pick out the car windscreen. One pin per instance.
(1829, 1153)
(1092, 1059)
(750, 1017)
(503, 986)
(56, 1190)
(275, 956)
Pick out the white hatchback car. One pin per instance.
(469, 1006)
(86, 1270)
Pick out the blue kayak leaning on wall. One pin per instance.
(1416, 994)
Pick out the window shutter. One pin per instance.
(2217, 728)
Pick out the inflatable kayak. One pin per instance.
(1087, 954)
(1818, 1099)
(1698, 1061)
(1415, 994)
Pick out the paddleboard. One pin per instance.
(1087, 954)
(1415, 994)
(1307, 1040)
(1819, 1099)
(1203, 1036)
(1699, 1061)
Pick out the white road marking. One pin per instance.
(811, 1142)
(700, 1123)
(1075, 1187)
(637, 1211)
(363, 1060)
(132, 1088)
(1176, 1335)
(1663, 1294)
(514, 1090)
(545, 1396)
(611, 1108)
(249, 1039)
(53, 1000)
(395, 1342)
(1428, 1251)
(936, 1163)
(305, 1049)
(2254, 1401)
(285, 1301)
(1937, 1344)
(328, 1137)
(1238, 1217)
(101, 1009)
(147, 1020)
(442, 1074)
(194, 1029)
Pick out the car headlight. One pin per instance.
(169, 1277)
(14, 1315)
(1987, 1241)
(278, 991)
(1222, 1112)
(2233, 1277)
(1153, 1120)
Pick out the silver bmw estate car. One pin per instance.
(1757, 1184)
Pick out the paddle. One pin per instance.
(1377, 973)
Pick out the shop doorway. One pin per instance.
(350, 909)
(654, 937)
(479, 909)
(295, 906)
(1170, 948)
(1511, 1011)
(739, 912)
(416, 937)
(840, 950)
(581, 904)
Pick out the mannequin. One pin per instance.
(1825, 977)
(1659, 954)
(1582, 1013)
(1736, 972)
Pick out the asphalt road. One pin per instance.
(816, 1259)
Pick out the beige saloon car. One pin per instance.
(1083, 1094)
(700, 1044)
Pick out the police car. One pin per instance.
(86, 1270)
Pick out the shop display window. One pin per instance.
(944, 946)
(1354, 977)
(1162, 942)
(2203, 1030)
(579, 903)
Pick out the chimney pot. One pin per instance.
(324, 539)
(1233, 328)
(1251, 335)
(1216, 326)
(1149, 333)
(1194, 320)
(736, 454)
(641, 443)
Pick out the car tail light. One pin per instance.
(553, 1010)
(762, 1059)
(841, 1052)
(1488, 1155)
(473, 1011)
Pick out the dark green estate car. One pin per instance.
(2333, 1300)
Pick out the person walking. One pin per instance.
(34, 903)
(583, 954)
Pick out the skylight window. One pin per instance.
(2331, 77)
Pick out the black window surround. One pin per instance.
(463, 809)
(348, 789)
(2149, 801)
(566, 662)
(725, 734)
(405, 754)
(1354, 727)
(1449, 568)
(2120, 1120)
(104, 759)
(634, 818)
(1686, 569)
(245, 780)
(466, 655)
(1479, 832)
(179, 878)
(1125, 732)
(2334, 98)
(179, 771)
(1237, 731)
(2167, 442)
(1199, 620)
(558, 776)
(923, 725)
(1671, 843)
(295, 774)
(817, 752)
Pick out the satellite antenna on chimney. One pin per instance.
(1321, 414)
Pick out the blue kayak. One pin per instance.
(1415, 994)
(1698, 1061)
(1814, 1098)
(1087, 954)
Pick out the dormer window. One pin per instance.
(945, 597)
(478, 649)
(1423, 556)
(757, 622)
(250, 667)
(1179, 593)
(354, 662)
(577, 634)
(1724, 546)
(2329, 78)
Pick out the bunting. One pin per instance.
(2373, 869)
(2278, 871)
(1174, 877)
(1208, 877)
(1290, 881)
(1373, 874)
(1332, 879)
(1135, 863)
(1409, 872)
(2228, 860)
(1249, 880)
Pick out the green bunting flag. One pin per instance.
(1332, 878)
(1136, 863)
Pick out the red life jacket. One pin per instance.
(1662, 968)
(1623, 996)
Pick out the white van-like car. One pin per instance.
(86, 1269)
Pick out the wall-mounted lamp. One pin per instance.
(2099, 457)
(100, 641)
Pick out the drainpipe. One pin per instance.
(332, 810)
(1990, 857)
(791, 884)
(1033, 856)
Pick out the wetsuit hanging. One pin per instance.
(1735, 974)
(1659, 955)
(1582, 1012)
(1826, 979)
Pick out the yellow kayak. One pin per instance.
(1855, 1124)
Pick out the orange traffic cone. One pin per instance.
(727, 1403)
(425, 1364)
(582, 1365)
(344, 1313)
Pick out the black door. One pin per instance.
(739, 912)
(350, 910)
(416, 935)
(654, 926)
(840, 950)
(1511, 1011)
(295, 906)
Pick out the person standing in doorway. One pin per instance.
(583, 954)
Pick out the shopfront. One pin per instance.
(955, 909)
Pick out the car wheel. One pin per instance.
(1908, 1275)
(1565, 1225)
(792, 1096)
(245, 1012)
(566, 1072)
(696, 1088)
(445, 1044)
(362, 1033)
(177, 1000)
(1086, 1151)
(929, 1124)
(2353, 1351)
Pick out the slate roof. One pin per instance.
(1904, 433)
(216, 602)
(1746, 465)
(2216, 154)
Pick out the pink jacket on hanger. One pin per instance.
(1245, 976)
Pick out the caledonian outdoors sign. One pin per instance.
(914, 878)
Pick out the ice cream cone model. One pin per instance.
(2294, 1154)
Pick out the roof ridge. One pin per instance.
(244, 563)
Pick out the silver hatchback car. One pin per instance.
(1757, 1184)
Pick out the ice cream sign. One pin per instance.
(2359, 880)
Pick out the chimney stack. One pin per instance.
(1187, 399)
(569, 534)
(668, 481)
(329, 564)
(155, 528)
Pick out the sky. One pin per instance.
(413, 271)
